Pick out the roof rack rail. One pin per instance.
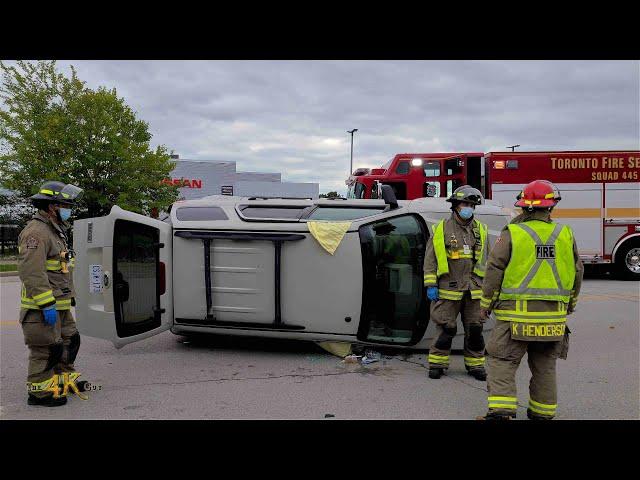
(280, 198)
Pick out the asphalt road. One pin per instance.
(166, 377)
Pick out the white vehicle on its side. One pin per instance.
(249, 266)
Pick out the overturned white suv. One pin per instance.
(320, 270)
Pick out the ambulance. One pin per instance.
(600, 191)
(320, 270)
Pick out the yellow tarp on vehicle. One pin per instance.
(329, 234)
(340, 349)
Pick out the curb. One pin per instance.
(9, 274)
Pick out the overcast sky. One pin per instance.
(293, 116)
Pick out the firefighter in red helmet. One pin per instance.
(532, 283)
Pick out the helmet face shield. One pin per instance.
(466, 193)
(71, 193)
(58, 192)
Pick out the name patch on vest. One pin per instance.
(545, 251)
(546, 332)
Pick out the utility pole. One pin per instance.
(351, 165)
(513, 147)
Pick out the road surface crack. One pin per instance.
(186, 382)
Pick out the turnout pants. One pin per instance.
(503, 358)
(444, 314)
(52, 349)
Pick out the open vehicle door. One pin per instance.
(122, 276)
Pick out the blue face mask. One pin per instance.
(466, 213)
(65, 213)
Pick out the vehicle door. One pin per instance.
(122, 276)
(394, 308)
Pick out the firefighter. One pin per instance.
(45, 265)
(532, 283)
(454, 265)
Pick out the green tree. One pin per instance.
(53, 127)
(330, 195)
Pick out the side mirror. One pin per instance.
(389, 196)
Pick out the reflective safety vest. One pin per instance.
(538, 270)
(442, 254)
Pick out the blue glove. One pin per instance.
(50, 315)
(432, 293)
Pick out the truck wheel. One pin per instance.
(627, 262)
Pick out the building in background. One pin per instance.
(203, 178)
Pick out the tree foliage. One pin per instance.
(53, 127)
(330, 195)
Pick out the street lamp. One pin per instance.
(513, 147)
(351, 132)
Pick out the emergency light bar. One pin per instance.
(416, 162)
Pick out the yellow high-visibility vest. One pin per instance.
(542, 267)
(442, 255)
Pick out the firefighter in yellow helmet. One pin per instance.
(454, 266)
(45, 267)
(532, 283)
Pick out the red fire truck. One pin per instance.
(600, 191)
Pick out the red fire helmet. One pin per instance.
(538, 194)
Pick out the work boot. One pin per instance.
(533, 416)
(436, 372)
(49, 401)
(478, 373)
(496, 416)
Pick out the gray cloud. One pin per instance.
(292, 116)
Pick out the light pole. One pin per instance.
(513, 147)
(351, 132)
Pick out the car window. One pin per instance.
(342, 213)
(200, 213)
(260, 213)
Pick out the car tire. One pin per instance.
(627, 261)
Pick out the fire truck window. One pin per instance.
(200, 213)
(403, 168)
(452, 166)
(431, 168)
(452, 185)
(393, 254)
(435, 184)
(359, 190)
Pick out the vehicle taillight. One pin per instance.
(163, 278)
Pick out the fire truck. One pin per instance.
(600, 191)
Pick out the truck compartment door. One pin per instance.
(123, 276)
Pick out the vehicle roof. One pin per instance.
(545, 152)
(423, 206)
